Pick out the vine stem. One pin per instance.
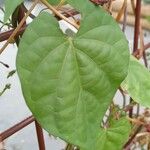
(55, 11)
(128, 144)
(121, 11)
(19, 26)
(125, 19)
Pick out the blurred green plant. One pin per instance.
(147, 1)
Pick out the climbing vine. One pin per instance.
(69, 79)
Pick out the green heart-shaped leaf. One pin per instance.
(137, 83)
(68, 83)
(114, 137)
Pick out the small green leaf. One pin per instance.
(115, 136)
(137, 83)
(7, 87)
(10, 6)
(11, 73)
(68, 83)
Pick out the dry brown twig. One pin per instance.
(133, 6)
(136, 121)
(121, 12)
(56, 12)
